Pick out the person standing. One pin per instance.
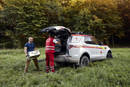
(49, 51)
(30, 46)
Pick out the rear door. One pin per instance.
(74, 45)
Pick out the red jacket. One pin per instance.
(50, 46)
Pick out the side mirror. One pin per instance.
(100, 43)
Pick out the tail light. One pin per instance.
(71, 46)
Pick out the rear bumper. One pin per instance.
(64, 58)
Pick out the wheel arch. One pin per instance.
(85, 54)
(109, 51)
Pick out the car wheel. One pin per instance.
(84, 61)
(109, 55)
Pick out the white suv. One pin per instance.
(78, 48)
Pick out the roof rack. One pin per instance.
(77, 33)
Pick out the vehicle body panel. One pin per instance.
(77, 47)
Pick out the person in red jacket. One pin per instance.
(49, 51)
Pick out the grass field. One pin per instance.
(108, 73)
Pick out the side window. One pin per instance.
(77, 39)
(94, 40)
(90, 40)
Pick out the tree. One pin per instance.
(104, 19)
(27, 18)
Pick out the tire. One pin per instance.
(84, 61)
(109, 55)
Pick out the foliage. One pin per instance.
(27, 17)
(124, 8)
(22, 18)
(108, 73)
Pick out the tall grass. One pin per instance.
(108, 73)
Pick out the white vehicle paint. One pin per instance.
(83, 45)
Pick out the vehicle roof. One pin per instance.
(80, 35)
(55, 28)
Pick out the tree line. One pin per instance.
(107, 20)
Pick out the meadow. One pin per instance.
(107, 73)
